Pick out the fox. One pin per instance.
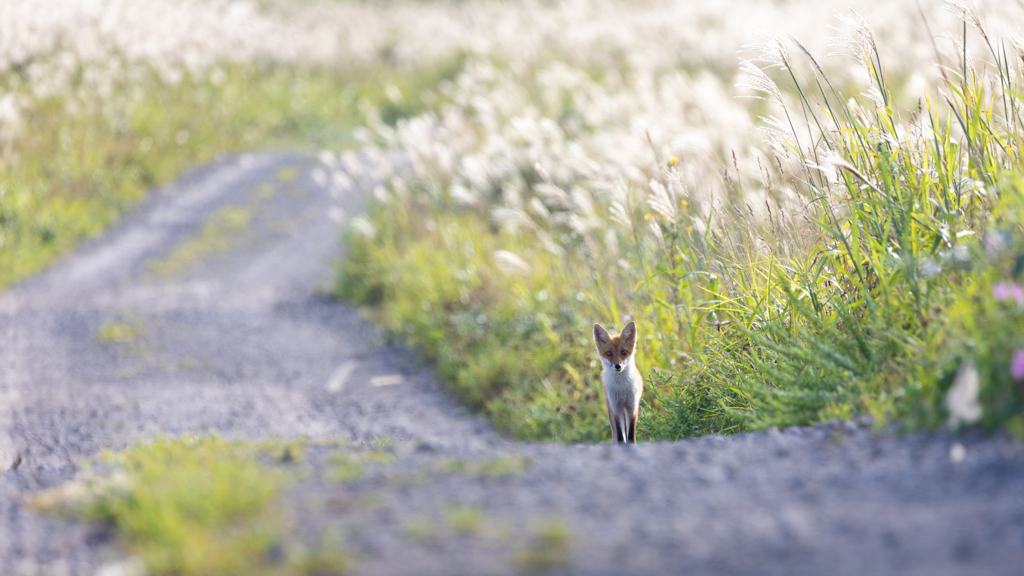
(623, 384)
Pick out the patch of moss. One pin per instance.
(287, 174)
(216, 238)
(350, 464)
(506, 465)
(465, 519)
(344, 468)
(548, 548)
(118, 332)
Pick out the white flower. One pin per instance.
(962, 398)
(361, 225)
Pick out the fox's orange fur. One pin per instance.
(622, 382)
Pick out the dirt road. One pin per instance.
(206, 309)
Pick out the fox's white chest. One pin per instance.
(623, 388)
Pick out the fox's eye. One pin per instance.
(623, 352)
(608, 353)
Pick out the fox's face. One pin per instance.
(615, 351)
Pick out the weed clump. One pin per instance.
(548, 548)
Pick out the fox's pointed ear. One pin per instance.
(629, 333)
(601, 336)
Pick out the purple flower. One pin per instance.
(994, 244)
(1004, 291)
(1017, 365)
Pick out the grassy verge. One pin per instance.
(882, 277)
(82, 158)
(209, 506)
(199, 506)
(493, 334)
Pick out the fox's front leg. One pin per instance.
(632, 427)
(628, 426)
(613, 421)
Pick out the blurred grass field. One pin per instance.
(799, 238)
(862, 257)
(69, 175)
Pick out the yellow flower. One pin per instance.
(682, 204)
(649, 217)
(672, 160)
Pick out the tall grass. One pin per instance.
(83, 158)
(101, 101)
(871, 267)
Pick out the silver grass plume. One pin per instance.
(776, 133)
(582, 202)
(463, 195)
(772, 52)
(752, 77)
(972, 72)
(875, 96)
(549, 243)
(968, 12)
(656, 229)
(856, 43)
(617, 213)
(538, 208)
(510, 264)
(1018, 44)
(511, 219)
(661, 201)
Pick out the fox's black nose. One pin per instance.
(618, 367)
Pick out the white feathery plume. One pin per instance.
(661, 201)
(381, 194)
(656, 230)
(538, 208)
(327, 158)
(776, 133)
(463, 195)
(968, 12)
(340, 180)
(511, 264)
(577, 224)
(361, 225)
(875, 96)
(320, 177)
(1018, 44)
(965, 53)
(553, 195)
(511, 219)
(618, 215)
(752, 77)
(611, 242)
(549, 243)
(582, 203)
(856, 43)
(773, 52)
(962, 398)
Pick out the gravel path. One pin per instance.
(206, 310)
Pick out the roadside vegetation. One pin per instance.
(826, 249)
(198, 506)
(798, 238)
(94, 112)
(861, 257)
